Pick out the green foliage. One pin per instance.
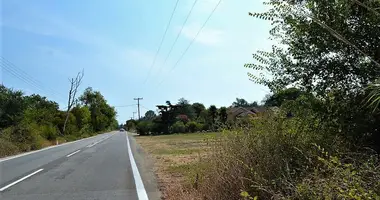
(7, 148)
(223, 115)
(335, 60)
(12, 105)
(49, 132)
(149, 115)
(277, 158)
(318, 54)
(102, 114)
(281, 96)
(178, 127)
(130, 125)
(82, 116)
(185, 108)
(198, 109)
(243, 103)
(212, 114)
(32, 122)
(373, 100)
(193, 127)
(144, 127)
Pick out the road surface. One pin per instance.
(96, 168)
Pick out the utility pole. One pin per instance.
(133, 115)
(138, 105)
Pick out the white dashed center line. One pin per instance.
(73, 153)
(19, 180)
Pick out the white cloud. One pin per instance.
(208, 36)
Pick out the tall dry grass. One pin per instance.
(285, 158)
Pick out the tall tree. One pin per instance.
(12, 105)
(103, 116)
(240, 103)
(168, 115)
(74, 85)
(149, 115)
(83, 116)
(327, 46)
(223, 115)
(213, 113)
(330, 49)
(185, 108)
(281, 96)
(198, 108)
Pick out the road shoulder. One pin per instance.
(146, 168)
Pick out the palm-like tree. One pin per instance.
(374, 95)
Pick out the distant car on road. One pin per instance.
(122, 130)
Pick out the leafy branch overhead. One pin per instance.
(323, 45)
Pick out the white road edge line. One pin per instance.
(19, 180)
(51, 147)
(73, 153)
(140, 189)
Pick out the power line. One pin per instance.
(26, 78)
(162, 40)
(144, 107)
(125, 106)
(179, 33)
(192, 41)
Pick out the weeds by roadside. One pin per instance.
(275, 158)
(281, 158)
(177, 159)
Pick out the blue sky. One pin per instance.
(115, 43)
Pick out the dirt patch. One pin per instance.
(176, 160)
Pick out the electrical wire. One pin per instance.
(192, 41)
(162, 41)
(179, 33)
(26, 78)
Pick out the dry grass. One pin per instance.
(176, 159)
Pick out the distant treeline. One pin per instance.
(32, 122)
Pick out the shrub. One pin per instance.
(178, 127)
(193, 127)
(7, 148)
(278, 158)
(144, 127)
(69, 138)
(25, 136)
(49, 132)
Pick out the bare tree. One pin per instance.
(74, 85)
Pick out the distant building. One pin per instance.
(239, 112)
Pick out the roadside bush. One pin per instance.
(193, 127)
(143, 127)
(7, 148)
(69, 138)
(49, 132)
(205, 127)
(25, 136)
(287, 158)
(178, 127)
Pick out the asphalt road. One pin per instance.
(97, 168)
